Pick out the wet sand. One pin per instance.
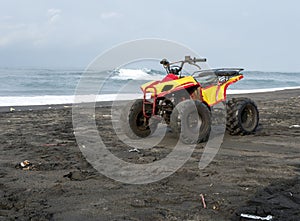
(257, 174)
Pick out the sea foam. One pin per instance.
(70, 99)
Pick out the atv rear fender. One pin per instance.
(215, 94)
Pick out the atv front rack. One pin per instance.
(146, 102)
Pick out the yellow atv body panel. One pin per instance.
(157, 88)
(217, 93)
(210, 95)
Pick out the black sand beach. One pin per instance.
(257, 174)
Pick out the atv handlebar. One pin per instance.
(187, 59)
(177, 70)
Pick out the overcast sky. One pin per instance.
(254, 34)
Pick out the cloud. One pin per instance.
(54, 15)
(20, 33)
(11, 33)
(108, 15)
(6, 17)
(53, 11)
(32, 33)
(5, 40)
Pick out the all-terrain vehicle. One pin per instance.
(184, 102)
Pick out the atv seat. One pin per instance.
(211, 77)
(228, 71)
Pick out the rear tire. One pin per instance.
(191, 121)
(242, 116)
(134, 124)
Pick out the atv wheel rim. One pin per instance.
(140, 122)
(248, 119)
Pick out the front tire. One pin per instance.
(242, 116)
(134, 124)
(191, 121)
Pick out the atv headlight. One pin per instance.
(148, 96)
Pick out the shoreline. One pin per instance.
(260, 95)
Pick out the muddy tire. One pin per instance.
(191, 122)
(134, 124)
(242, 116)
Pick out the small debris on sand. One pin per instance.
(25, 165)
(295, 126)
(134, 150)
(203, 201)
(269, 217)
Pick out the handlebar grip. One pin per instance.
(165, 62)
(199, 59)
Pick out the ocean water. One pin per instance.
(24, 86)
